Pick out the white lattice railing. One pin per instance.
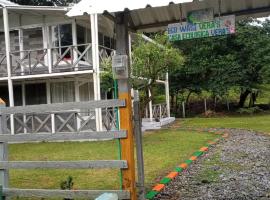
(3, 65)
(52, 60)
(70, 121)
(29, 62)
(159, 111)
(70, 58)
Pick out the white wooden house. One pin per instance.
(47, 57)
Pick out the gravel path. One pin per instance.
(236, 168)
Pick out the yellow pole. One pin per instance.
(126, 121)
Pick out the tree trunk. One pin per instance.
(243, 97)
(205, 105)
(253, 98)
(187, 99)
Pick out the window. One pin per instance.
(86, 92)
(62, 92)
(35, 94)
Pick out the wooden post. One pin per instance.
(3, 147)
(24, 104)
(48, 37)
(139, 145)
(228, 104)
(96, 74)
(126, 122)
(184, 109)
(49, 101)
(205, 105)
(45, 43)
(9, 67)
(77, 99)
(167, 90)
(160, 112)
(74, 43)
(21, 48)
(150, 104)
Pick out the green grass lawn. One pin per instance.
(255, 122)
(163, 150)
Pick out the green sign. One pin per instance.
(217, 27)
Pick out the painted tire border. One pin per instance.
(183, 166)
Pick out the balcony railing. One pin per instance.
(3, 65)
(52, 60)
(159, 111)
(69, 121)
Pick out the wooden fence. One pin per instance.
(6, 138)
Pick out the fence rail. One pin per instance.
(68, 194)
(79, 135)
(58, 107)
(48, 137)
(120, 164)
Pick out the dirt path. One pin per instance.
(236, 168)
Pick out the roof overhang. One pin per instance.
(152, 14)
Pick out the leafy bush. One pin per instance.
(67, 184)
(250, 111)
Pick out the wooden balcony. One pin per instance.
(62, 59)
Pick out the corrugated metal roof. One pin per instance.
(149, 18)
(93, 6)
(4, 3)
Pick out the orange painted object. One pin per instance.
(204, 149)
(172, 175)
(183, 165)
(225, 135)
(158, 187)
(193, 158)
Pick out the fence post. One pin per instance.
(139, 145)
(3, 148)
(126, 121)
(160, 112)
(183, 110)
(205, 105)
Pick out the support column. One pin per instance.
(74, 42)
(21, 48)
(150, 104)
(49, 101)
(126, 120)
(10, 83)
(24, 104)
(167, 90)
(47, 44)
(77, 99)
(96, 74)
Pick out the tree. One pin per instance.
(221, 63)
(151, 61)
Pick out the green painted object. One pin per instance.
(188, 162)
(165, 180)
(179, 169)
(198, 153)
(151, 194)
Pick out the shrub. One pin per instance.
(250, 111)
